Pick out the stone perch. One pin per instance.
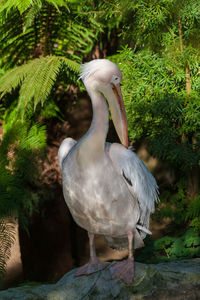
(171, 280)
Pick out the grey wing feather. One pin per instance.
(140, 182)
(64, 149)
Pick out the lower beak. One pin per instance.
(119, 114)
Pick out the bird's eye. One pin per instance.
(115, 79)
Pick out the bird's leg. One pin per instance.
(125, 269)
(130, 244)
(93, 257)
(94, 264)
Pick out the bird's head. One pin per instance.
(104, 76)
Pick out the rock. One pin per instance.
(170, 280)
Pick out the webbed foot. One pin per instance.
(123, 270)
(91, 267)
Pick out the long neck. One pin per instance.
(99, 127)
(92, 144)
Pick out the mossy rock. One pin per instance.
(170, 280)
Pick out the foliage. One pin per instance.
(174, 205)
(42, 30)
(22, 6)
(161, 111)
(177, 242)
(161, 91)
(36, 79)
(50, 30)
(108, 16)
(159, 108)
(158, 25)
(161, 77)
(19, 154)
(193, 213)
(171, 248)
(7, 231)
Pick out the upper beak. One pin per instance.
(118, 114)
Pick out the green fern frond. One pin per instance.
(23, 136)
(37, 78)
(46, 79)
(34, 139)
(58, 3)
(22, 6)
(72, 65)
(193, 209)
(35, 9)
(193, 214)
(43, 30)
(12, 78)
(7, 237)
(31, 15)
(39, 81)
(21, 146)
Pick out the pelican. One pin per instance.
(107, 188)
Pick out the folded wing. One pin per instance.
(140, 182)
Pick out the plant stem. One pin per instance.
(180, 35)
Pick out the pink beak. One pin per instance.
(119, 115)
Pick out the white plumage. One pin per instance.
(106, 186)
(142, 184)
(92, 67)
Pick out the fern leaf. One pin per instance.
(23, 5)
(30, 15)
(58, 3)
(46, 79)
(36, 78)
(12, 78)
(20, 5)
(7, 237)
(35, 139)
(193, 209)
(39, 80)
(72, 65)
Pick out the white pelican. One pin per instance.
(106, 186)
